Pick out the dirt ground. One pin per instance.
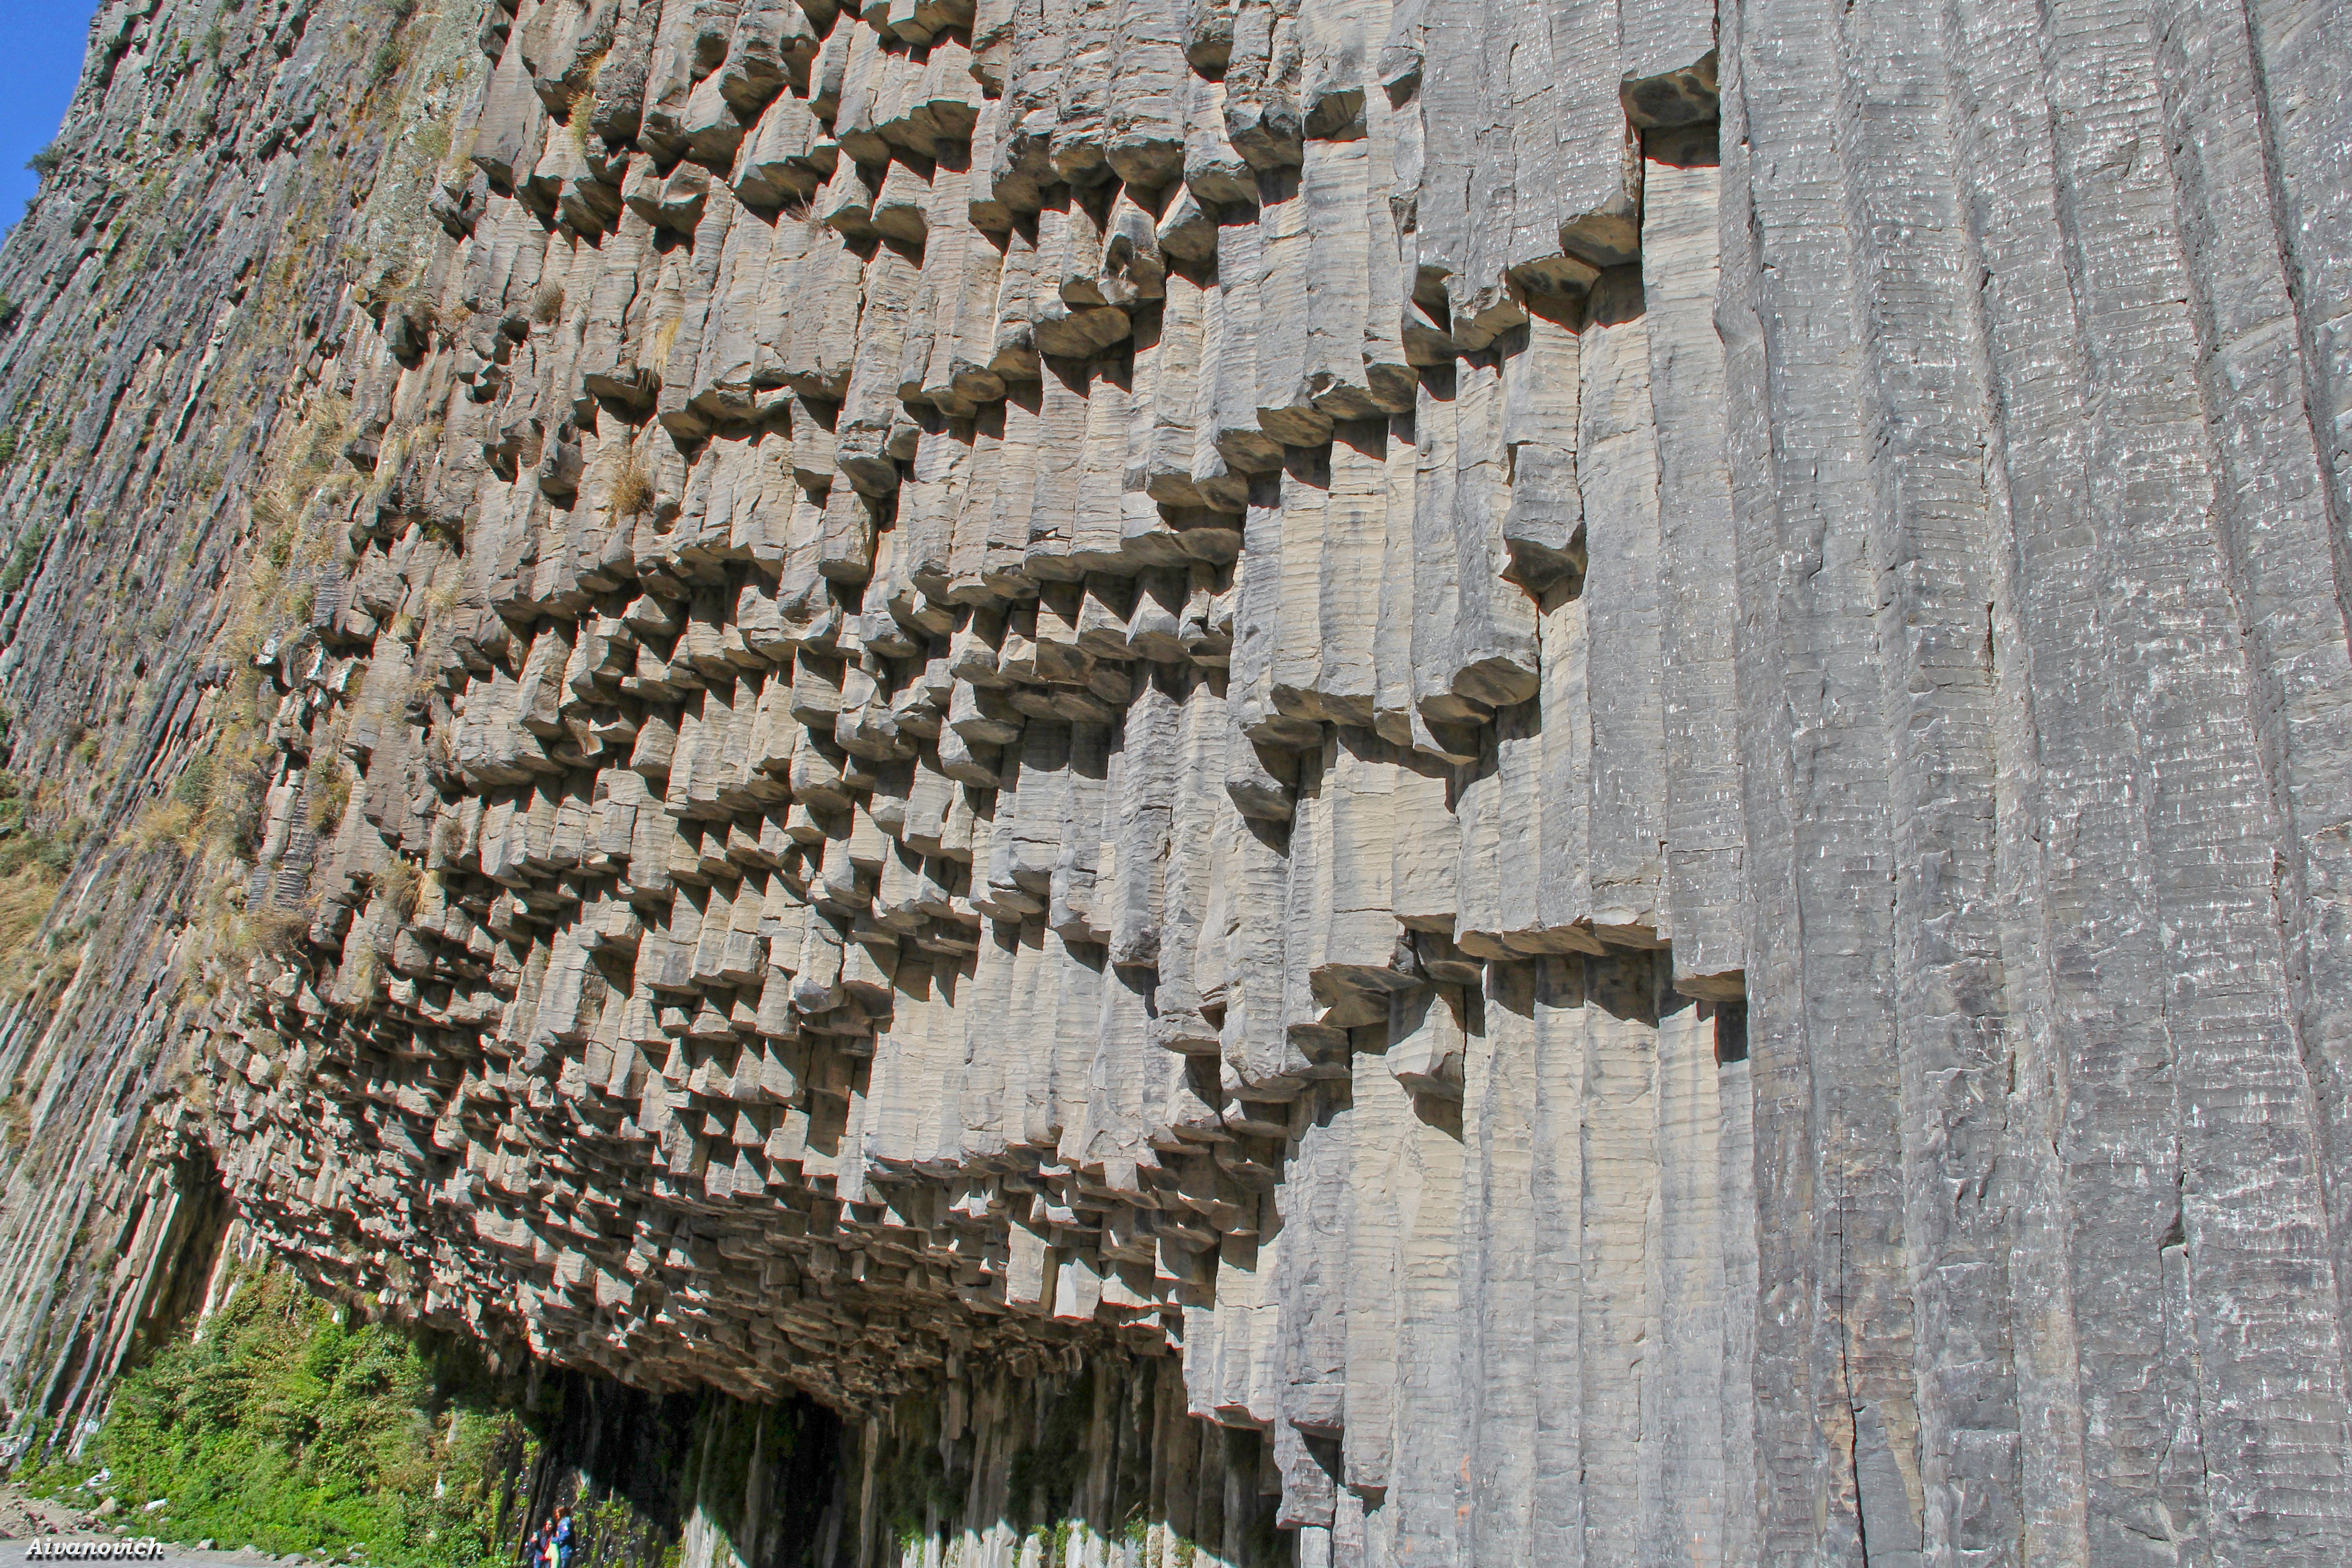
(25, 1519)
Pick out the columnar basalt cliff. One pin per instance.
(1327, 781)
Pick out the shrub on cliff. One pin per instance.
(26, 555)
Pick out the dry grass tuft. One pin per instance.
(402, 887)
(24, 900)
(277, 933)
(547, 303)
(632, 491)
(328, 791)
(289, 528)
(229, 814)
(166, 822)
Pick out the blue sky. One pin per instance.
(38, 73)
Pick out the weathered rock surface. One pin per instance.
(1579, 778)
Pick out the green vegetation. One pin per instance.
(8, 436)
(25, 556)
(733, 1436)
(194, 785)
(329, 792)
(47, 161)
(1044, 1478)
(49, 853)
(281, 1423)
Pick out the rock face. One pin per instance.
(1571, 784)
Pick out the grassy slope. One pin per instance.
(286, 1426)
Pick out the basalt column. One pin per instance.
(1327, 782)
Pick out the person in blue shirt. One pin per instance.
(563, 1542)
